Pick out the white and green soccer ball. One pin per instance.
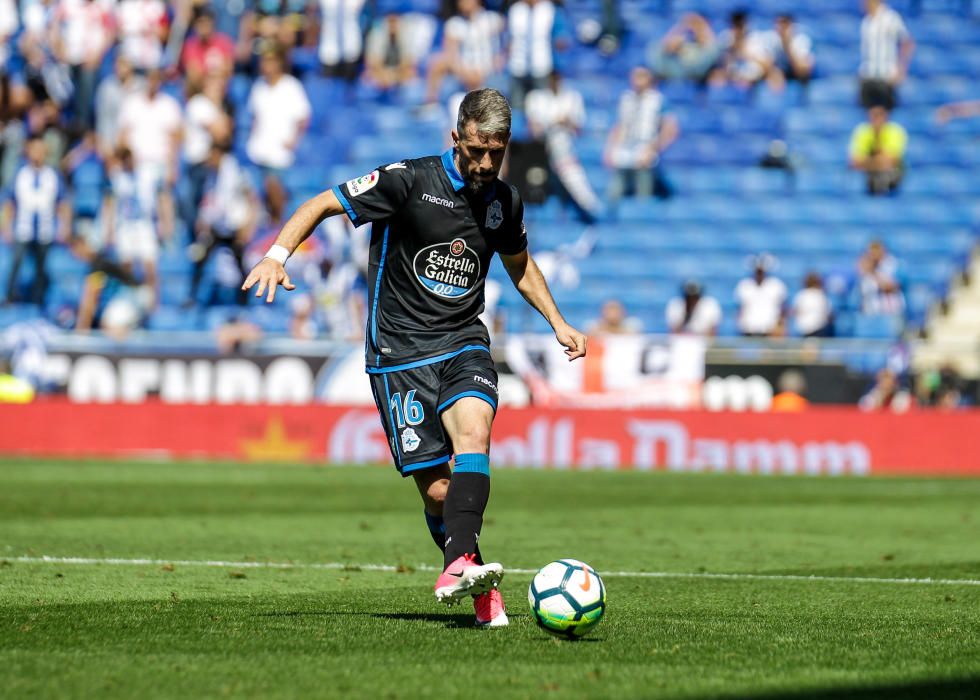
(567, 598)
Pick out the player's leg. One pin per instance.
(150, 255)
(432, 485)
(407, 403)
(40, 272)
(467, 422)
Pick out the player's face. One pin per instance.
(480, 156)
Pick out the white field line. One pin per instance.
(338, 566)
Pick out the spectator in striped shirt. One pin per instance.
(471, 50)
(879, 281)
(644, 129)
(227, 217)
(537, 30)
(886, 51)
(39, 215)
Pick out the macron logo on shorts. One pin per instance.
(426, 197)
(484, 380)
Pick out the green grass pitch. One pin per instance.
(177, 627)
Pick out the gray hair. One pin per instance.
(488, 108)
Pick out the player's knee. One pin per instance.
(473, 438)
(435, 496)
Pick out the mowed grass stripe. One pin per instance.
(338, 566)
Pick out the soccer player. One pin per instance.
(437, 221)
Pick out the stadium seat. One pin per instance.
(879, 326)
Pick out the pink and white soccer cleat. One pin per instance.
(464, 577)
(489, 608)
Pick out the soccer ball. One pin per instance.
(567, 598)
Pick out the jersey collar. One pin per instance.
(449, 166)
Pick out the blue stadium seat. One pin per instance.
(172, 318)
(879, 326)
(17, 313)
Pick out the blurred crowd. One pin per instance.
(121, 140)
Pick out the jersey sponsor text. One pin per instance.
(426, 197)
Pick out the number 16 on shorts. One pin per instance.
(407, 412)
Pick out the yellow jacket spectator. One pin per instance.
(878, 149)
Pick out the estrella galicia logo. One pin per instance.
(449, 270)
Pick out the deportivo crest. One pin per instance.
(360, 185)
(495, 214)
(449, 270)
(410, 440)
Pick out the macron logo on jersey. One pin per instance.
(426, 197)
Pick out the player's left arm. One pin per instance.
(527, 277)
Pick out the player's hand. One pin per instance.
(268, 274)
(573, 340)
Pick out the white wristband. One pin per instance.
(278, 253)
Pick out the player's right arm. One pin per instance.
(368, 198)
(270, 273)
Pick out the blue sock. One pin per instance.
(437, 528)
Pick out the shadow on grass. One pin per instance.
(963, 689)
(449, 620)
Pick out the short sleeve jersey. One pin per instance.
(431, 246)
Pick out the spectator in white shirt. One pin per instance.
(761, 300)
(341, 42)
(537, 30)
(109, 98)
(205, 123)
(35, 216)
(84, 32)
(812, 311)
(281, 114)
(790, 53)
(228, 214)
(393, 48)
(693, 312)
(644, 129)
(144, 26)
(745, 59)
(555, 115)
(150, 126)
(886, 52)
(471, 49)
